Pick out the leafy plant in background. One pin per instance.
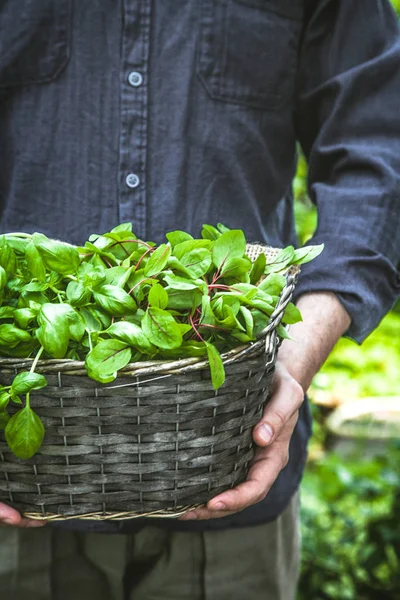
(119, 299)
(351, 525)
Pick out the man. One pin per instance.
(175, 113)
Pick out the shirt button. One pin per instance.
(132, 180)
(135, 79)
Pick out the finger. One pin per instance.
(10, 516)
(285, 401)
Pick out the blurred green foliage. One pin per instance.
(351, 528)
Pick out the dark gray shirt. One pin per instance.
(175, 113)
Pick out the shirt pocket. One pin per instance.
(34, 40)
(247, 50)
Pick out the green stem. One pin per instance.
(90, 340)
(35, 362)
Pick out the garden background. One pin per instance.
(351, 489)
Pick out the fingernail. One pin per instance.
(8, 522)
(190, 516)
(265, 433)
(218, 506)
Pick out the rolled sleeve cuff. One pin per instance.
(365, 281)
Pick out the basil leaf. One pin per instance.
(8, 259)
(158, 260)
(216, 366)
(4, 400)
(53, 333)
(11, 335)
(161, 328)
(57, 256)
(131, 334)
(229, 245)
(78, 294)
(23, 316)
(4, 418)
(7, 312)
(107, 357)
(24, 433)
(34, 262)
(3, 278)
(158, 296)
(183, 248)
(114, 300)
(25, 382)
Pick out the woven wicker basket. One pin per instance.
(155, 442)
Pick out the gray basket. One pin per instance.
(155, 442)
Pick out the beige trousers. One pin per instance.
(253, 563)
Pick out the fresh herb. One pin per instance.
(119, 299)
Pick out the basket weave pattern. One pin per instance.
(154, 442)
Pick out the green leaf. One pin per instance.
(161, 328)
(25, 382)
(114, 300)
(131, 334)
(158, 296)
(261, 321)
(4, 418)
(7, 312)
(77, 326)
(216, 366)
(158, 260)
(176, 237)
(23, 316)
(183, 299)
(283, 332)
(4, 400)
(281, 261)
(106, 358)
(78, 294)
(123, 227)
(188, 349)
(11, 335)
(34, 262)
(291, 314)
(273, 284)
(183, 248)
(8, 259)
(306, 254)
(180, 283)
(118, 275)
(3, 278)
(236, 267)
(257, 269)
(57, 256)
(248, 320)
(197, 262)
(53, 333)
(229, 245)
(209, 232)
(24, 433)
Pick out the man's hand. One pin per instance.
(324, 322)
(10, 516)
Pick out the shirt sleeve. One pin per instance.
(347, 119)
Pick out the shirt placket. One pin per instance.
(133, 113)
